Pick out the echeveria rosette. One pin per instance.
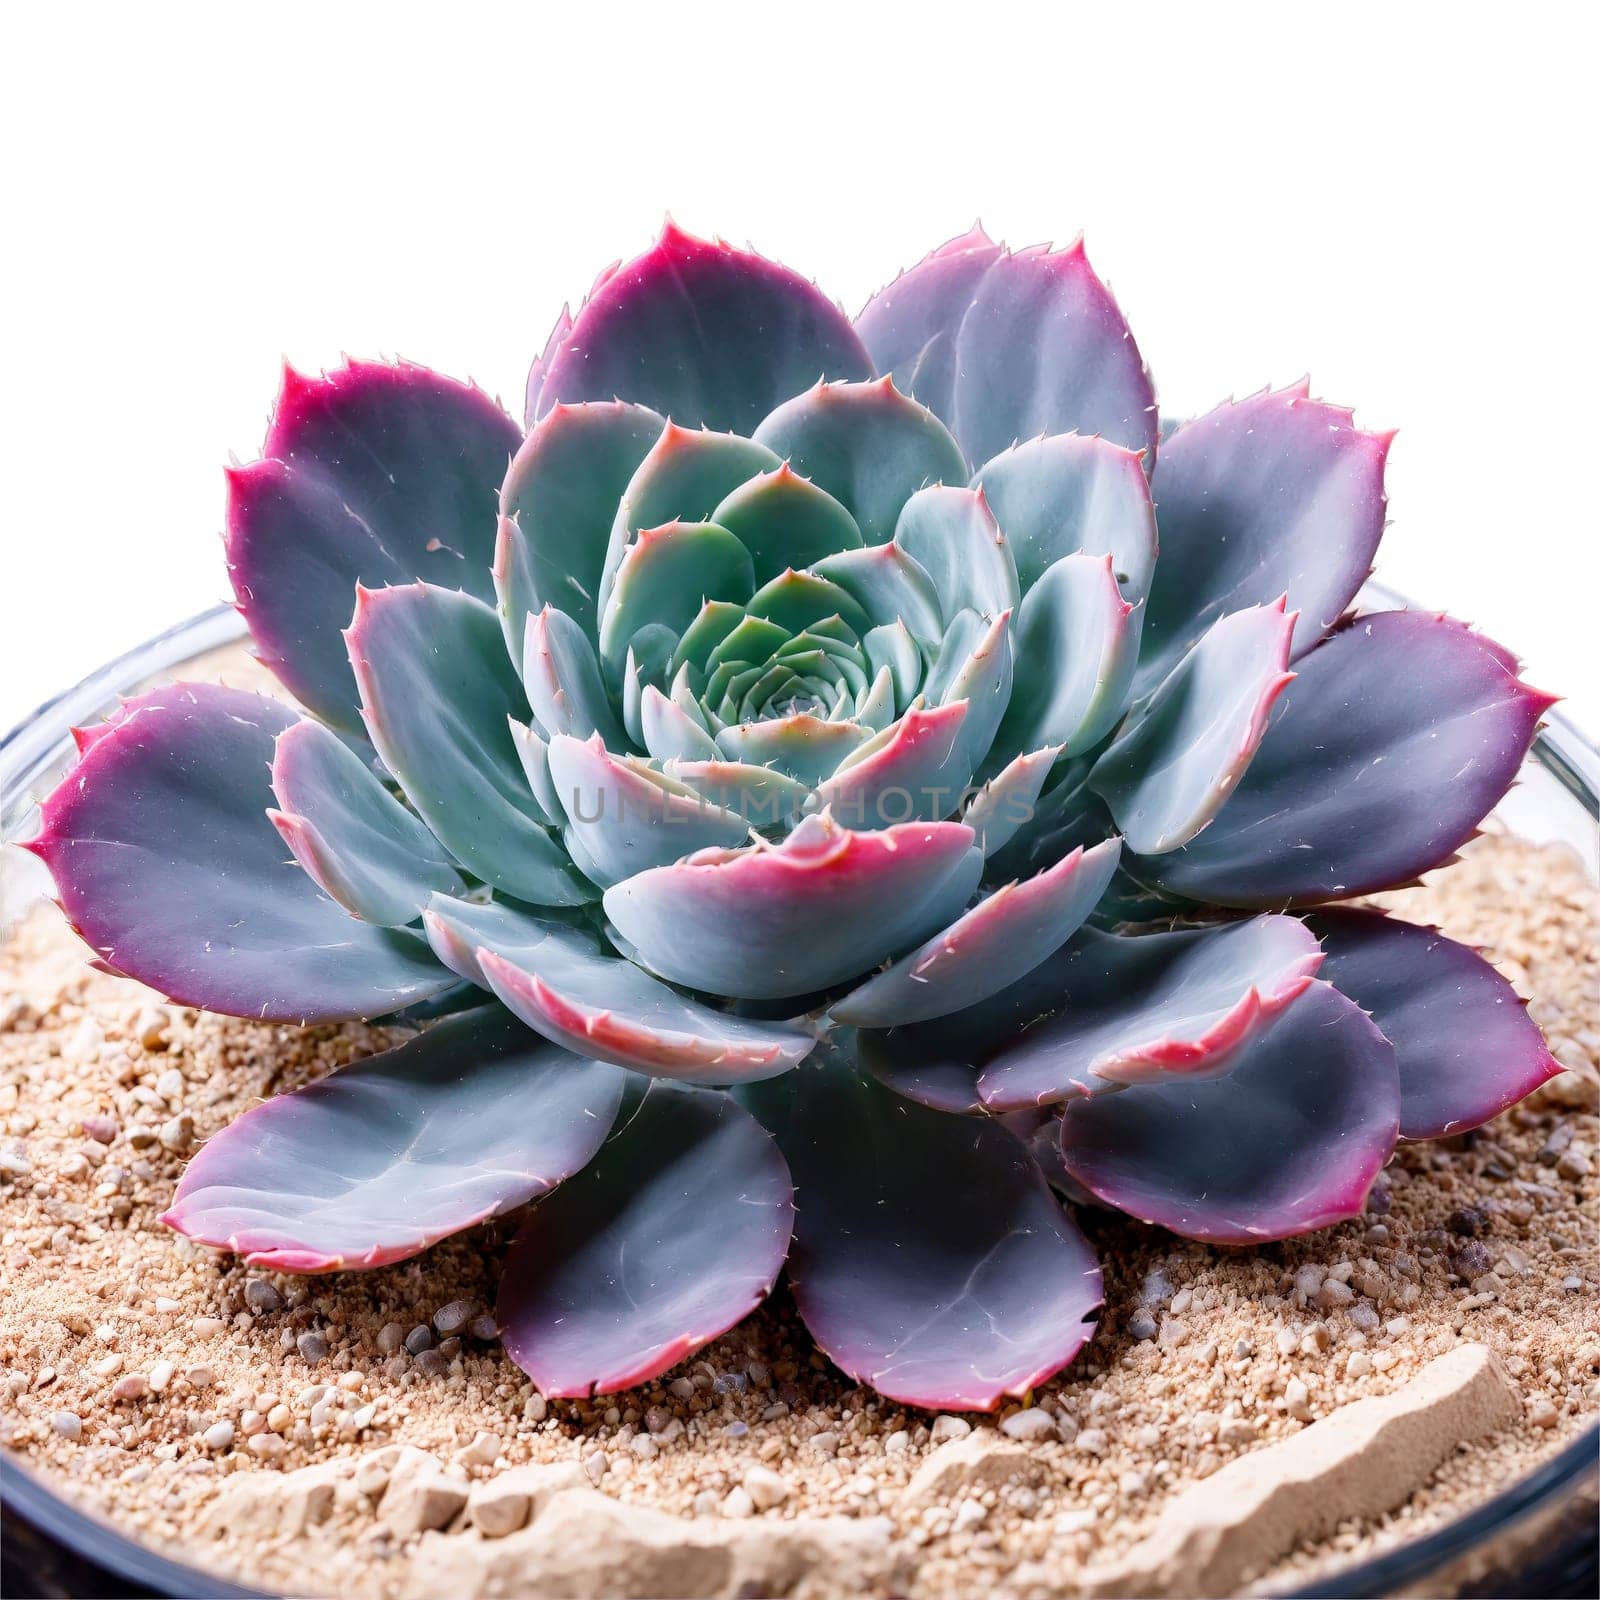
(818, 750)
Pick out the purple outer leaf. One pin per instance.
(1170, 771)
(1044, 349)
(910, 325)
(1467, 1048)
(355, 839)
(372, 474)
(1274, 493)
(673, 1233)
(1133, 1010)
(1001, 939)
(167, 866)
(930, 1260)
(378, 1161)
(1400, 732)
(771, 921)
(557, 505)
(437, 695)
(1288, 1142)
(868, 445)
(704, 333)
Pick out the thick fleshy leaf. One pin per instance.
(797, 601)
(764, 797)
(672, 1234)
(372, 474)
(868, 445)
(930, 1260)
(1065, 493)
(980, 677)
(1009, 799)
(560, 498)
(890, 646)
(1077, 642)
(1274, 494)
(561, 981)
(561, 677)
(1465, 1044)
(629, 817)
(541, 362)
(1170, 771)
(606, 1007)
(915, 770)
(910, 326)
(167, 865)
(688, 473)
(666, 576)
(672, 733)
(801, 747)
(785, 520)
(438, 693)
(1136, 1010)
(360, 844)
(1398, 735)
(952, 534)
(375, 1163)
(888, 585)
(460, 930)
(789, 919)
(1043, 349)
(704, 333)
(1001, 939)
(1287, 1142)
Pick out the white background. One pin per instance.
(1396, 198)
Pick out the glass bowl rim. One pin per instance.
(28, 751)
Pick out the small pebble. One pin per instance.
(766, 1488)
(133, 1387)
(1141, 1325)
(419, 1339)
(178, 1132)
(738, 1430)
(390, 1337)
(737, 1503)
(1541, 1413)
(67, 1424)
(101, 1129)
(947, 1427)
(484, 1327)
(969, 1515)
(262, 1298)
(432, 1364)
(1033, 1423)
(311, 1346)
(452, 1318)
(644, 1446)
(595, 1465)
(682, 1388)
(897, 1443)
(219, 1436)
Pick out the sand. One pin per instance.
(153, 1381)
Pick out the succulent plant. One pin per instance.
(844, 826)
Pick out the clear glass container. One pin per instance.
(1537, 1537)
